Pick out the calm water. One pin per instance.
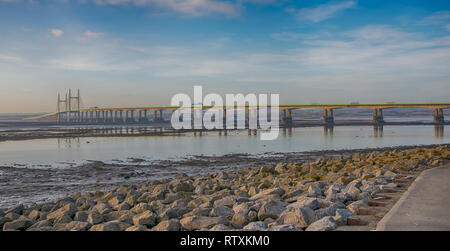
(66, 152)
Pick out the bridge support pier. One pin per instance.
(288, 119)
(439, 116)
(155, 115)
(378, 116)
(328, 117)
(130, 117)
(224, 119)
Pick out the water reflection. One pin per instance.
(76, 150)
(68, 142)
(287, 132)
(378, 131)
(328, 130)
(439, 131)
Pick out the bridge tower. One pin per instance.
(64, 107)
(61, 107)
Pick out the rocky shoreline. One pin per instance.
(317, 195)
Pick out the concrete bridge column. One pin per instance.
(328, 116)
(378, 116)
(283, 117)
(438, 116)
(131, 118)
(224, 115)
(155, 114)
(139, 116)
(161, 116)
(111, 116)
(247, 118)
(288, 119)
(145, 116)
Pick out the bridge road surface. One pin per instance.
(425, 206)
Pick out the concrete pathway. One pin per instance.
(425, 206)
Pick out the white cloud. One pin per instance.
(378, 32)
(293, 36)
(324, 11)
(57, 32)
(11, 59)
(90, 35)
(189, 7)
(437, 18)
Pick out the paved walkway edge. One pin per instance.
(381, 226)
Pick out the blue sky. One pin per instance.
(141, 52)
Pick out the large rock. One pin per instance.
(146, 218)
(342, 216)
(302, 201)
(95, 218)
(3, 220)
(168, 225)
(256, 226)
(183, 187)
(34, 215)
(354, 207)
(284, 228)
(271, 209)
(77, 226)
(222, 211)
(265, 193)
(201, 222)
(140, 208)
(220, 227)
(240, 219)
(299, 217)
(20, 224)
(107, 226)
(314, 191)
(227, 201)
(136, 228)
(69, 210)
(81, 216)
(324, 224)
(18, 209)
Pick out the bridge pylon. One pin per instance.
(65, 112)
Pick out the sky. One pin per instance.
(142, 52)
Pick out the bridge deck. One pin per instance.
(282, 107)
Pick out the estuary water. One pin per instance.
(62, 153)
